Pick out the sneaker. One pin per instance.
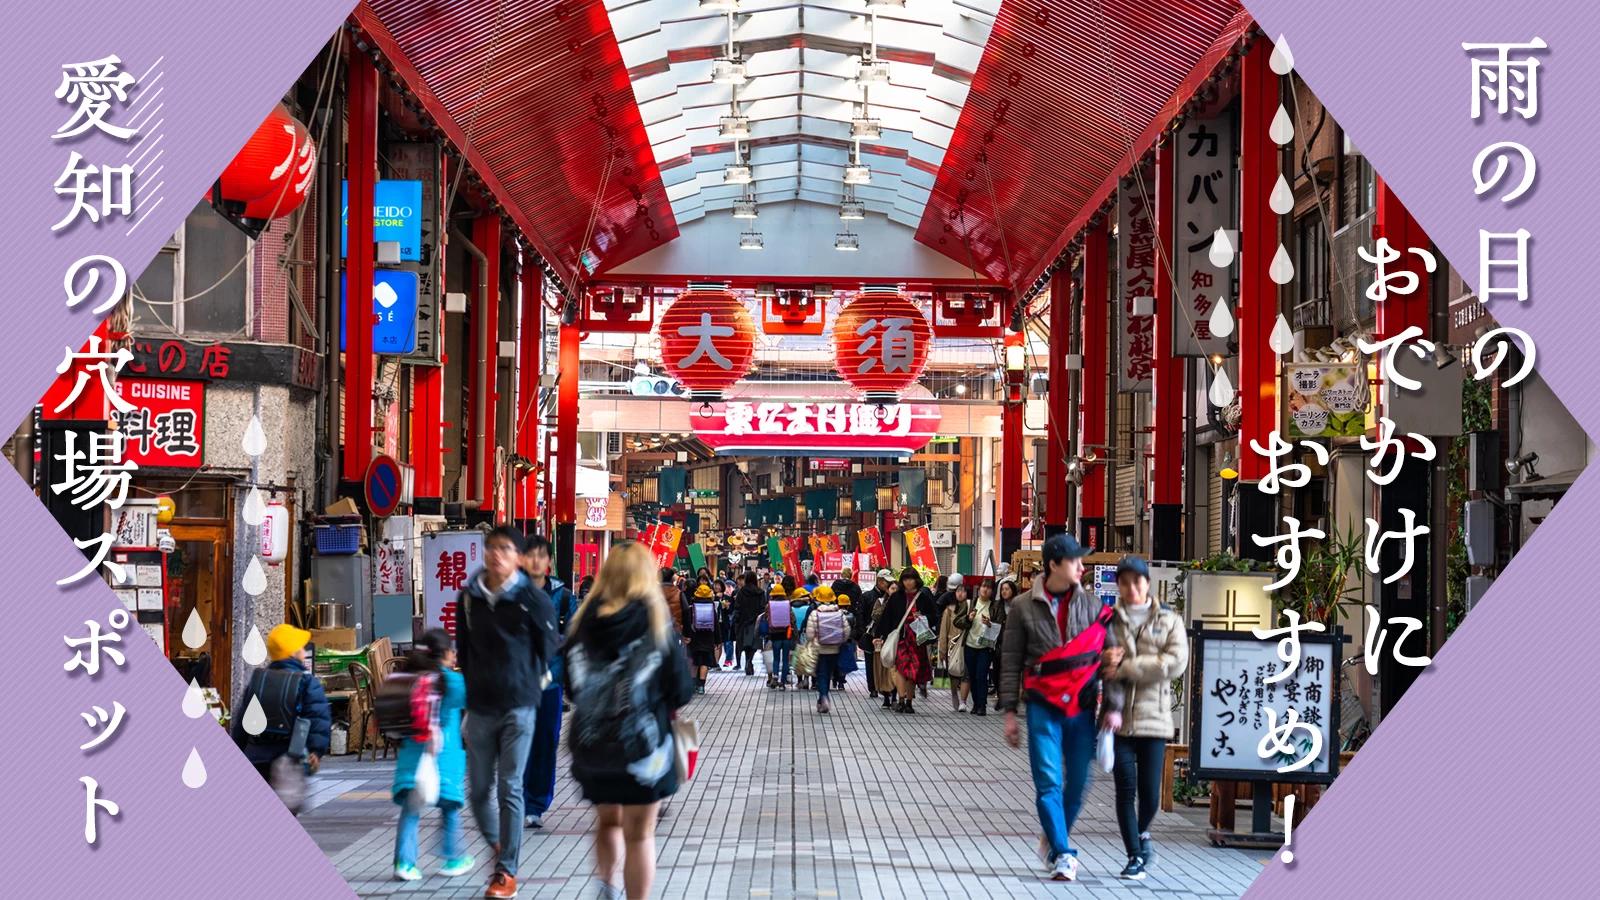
(461, 865)
(1134, 870)
(407, 872)
(1065, 868)
(610, 891)
(888, 701)
(823, 705)
(962, 707)
(700, 689)
(533, 821)
(501, 887)
(1147, 849)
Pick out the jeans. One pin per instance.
(539, 776)
(978, 672)
(727, 652)
(825, 666)
(497, 745)
(1138, 770)
(1059, 752)
(780, 659)
(405, 840)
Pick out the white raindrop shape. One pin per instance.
(255, 718)
(255, 579)
(1221, 319)
(194, 700)
(1221, 253)
(255, 440)
(255, 509)
(1282, 60)
(255, 649)
(1282, 338)
(194, 771)
(1281, 201)
(1221, 393)
(1282, 130)
(1282, 269)
(194, 631)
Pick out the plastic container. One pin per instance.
(338, 536)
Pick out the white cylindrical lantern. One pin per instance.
(275, 533)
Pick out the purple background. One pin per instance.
(1477, 784)
(225, 65)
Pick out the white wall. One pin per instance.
(799, 243)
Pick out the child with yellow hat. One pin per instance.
(285, 693)
(699, 621)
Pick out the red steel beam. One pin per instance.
(486, 349)
(1092, 395)
(362, 172)
(1258, 238)
(526, 426)
(566, 498)
(1166, 369)
(1057, 489)
(1397, 312)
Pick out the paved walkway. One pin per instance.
(790, 804)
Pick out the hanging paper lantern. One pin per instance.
(267, 161)
(881, 342)
(708, 341)
(290, 190)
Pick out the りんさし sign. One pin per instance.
(166, 426)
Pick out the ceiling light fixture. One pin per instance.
(750, 240)
(852, 210)
(882, 6)
(719, 5)
(735, 128)
(857, 174)
(736, 174)
(872, 72)
(847, 241)
(865, 129)
(744, 209)
(727, 71)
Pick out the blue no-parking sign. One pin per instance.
(382, 486)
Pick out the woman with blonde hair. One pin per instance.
(628, 677)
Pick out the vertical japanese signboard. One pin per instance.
(1205, 180)
(1240, 725)
(1136, 268)
(391, 565)
(869, 542)
(919, 547)
(449, 558)
(166, 426)
(420, 163)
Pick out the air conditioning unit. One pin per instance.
(613, 444)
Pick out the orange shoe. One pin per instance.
(501, 886)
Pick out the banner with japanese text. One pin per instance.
(919, 550)
(165, 425)
(1136, 284)
(870, 542)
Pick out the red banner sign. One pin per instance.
(166, 426)
(663, 544)
(852, 429)
(869, 541)
(921, 551)
(789, 547)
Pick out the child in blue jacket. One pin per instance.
(434, 656)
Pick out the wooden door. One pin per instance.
(205, 565)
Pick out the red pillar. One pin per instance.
(1397, 312)
(361, 169)
(1092, 395)
(566, 495)
(527, 405)
(1258, 295)
(427, 435)
(1059, 433)
(486, 350)
(1012, 471)
(1166, 490)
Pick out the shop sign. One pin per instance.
(394, 312)
(1467, 315)
(1136, 270)
(420, 162)
(919, 547)
(1205, 177)
(830, 465)
(396, 216)
(449, 558)
(740, 427)
(248, 361)
(1223, 601)
(601, 513)
(166, 426)
(1230, 700)
(391, 567)
(1326, 401)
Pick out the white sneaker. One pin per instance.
(1065, 869)
(962, 707)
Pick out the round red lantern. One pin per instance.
(289, 190)
(881, 342)
(708, 341)
(265, 161)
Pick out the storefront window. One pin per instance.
(194, 500)
(155, 290)
(199, 283)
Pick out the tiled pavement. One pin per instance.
(790, 804)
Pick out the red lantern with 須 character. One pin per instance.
(708, 341)
(881, 342)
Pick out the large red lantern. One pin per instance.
(881, 342)
(708, 341)
(272, 174)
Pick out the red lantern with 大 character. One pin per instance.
(708, 341)
(881, 342)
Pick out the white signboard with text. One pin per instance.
(1238, 709)
(449, 558)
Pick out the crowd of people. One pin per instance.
(634, 644)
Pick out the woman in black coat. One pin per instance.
(748, 605)
(912, 667)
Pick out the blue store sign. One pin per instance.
(396, 216)
(394, 302)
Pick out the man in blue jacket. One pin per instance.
(505, 637)
(288, 691)
(539, 778)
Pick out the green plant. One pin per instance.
(1475, 416)
(1222, 561)
(1186, 792)
(1319, 590)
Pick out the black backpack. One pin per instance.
(279, 692)
(395, 704)
(613, 711)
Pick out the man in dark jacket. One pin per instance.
(748, 605)
(1059, 747)
(505, 639)
(286, 646)
(539, 778)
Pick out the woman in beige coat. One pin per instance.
(1151, 650)
(952, 644)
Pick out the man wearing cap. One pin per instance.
(1050, 615)
(288, 675)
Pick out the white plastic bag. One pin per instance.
(1105, 750)
(425, 786)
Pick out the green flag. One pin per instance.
(697, 556)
